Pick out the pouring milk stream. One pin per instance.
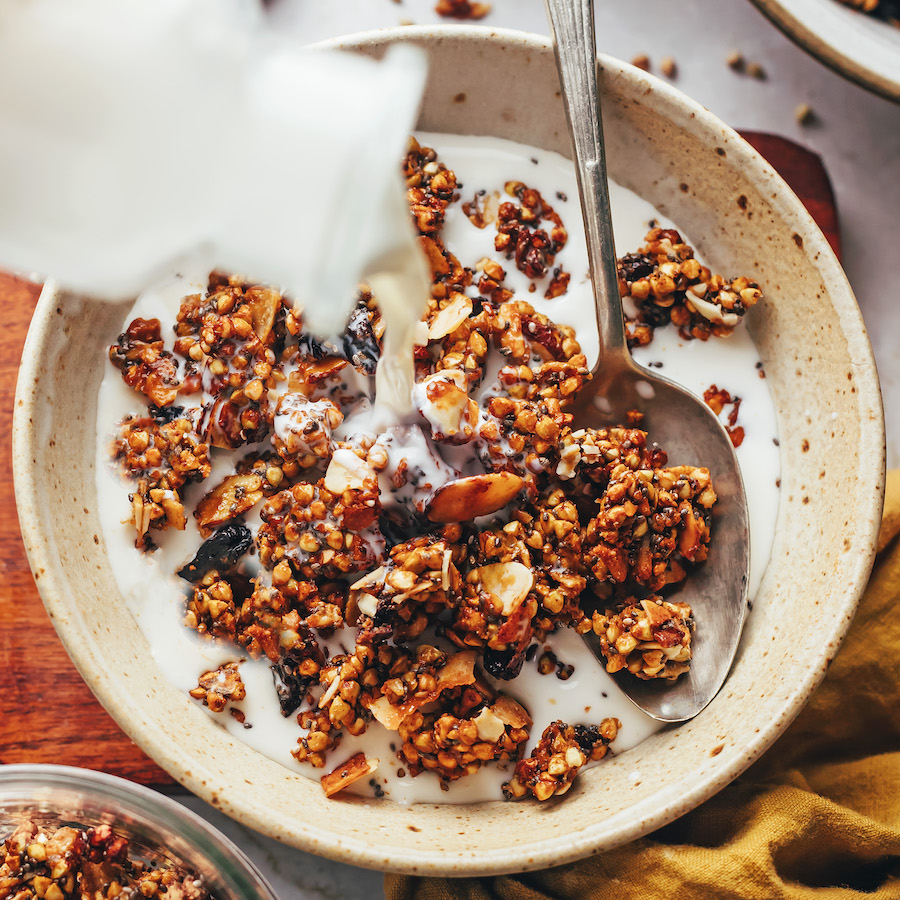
(137, 133)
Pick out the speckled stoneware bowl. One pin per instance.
(822, 376)
(859, 47)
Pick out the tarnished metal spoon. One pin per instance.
(678, 421)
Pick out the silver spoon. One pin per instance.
(678, 421)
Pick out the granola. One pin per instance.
(401, 579)
(87, 863)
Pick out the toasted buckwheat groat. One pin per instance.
(352, 683)
(219, 687)
(456, 743)
(495, 613)
(651, 524)
(650, 638)
(456, 338)
(592, 454)
(320, 532)
(273, 623)
(213, 605)
(229, 334)
(668, 284)
(430, 187)
(164, 454)
(419, 580)
(561, 752)
(521, 237)
(530, 582)
(518, 332)
(548, 381)
(302, 428)
(522, 436)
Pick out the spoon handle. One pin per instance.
(572, 25)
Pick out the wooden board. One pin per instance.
(47, 713)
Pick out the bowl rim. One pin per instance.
(828, 53)
(689, 114)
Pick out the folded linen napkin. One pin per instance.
(817, 817)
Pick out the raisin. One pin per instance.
(634, 266)
(165, 414)
(291, 682)
(359, 342)
(657, 316)
(587, 736)
(504, 664)
(542, 334)
(358, 345)
(221, 551)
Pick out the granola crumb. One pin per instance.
(805, 115)
(668, 67)
(755, 70)
(736, 61)
(641, 61)
(462, 9)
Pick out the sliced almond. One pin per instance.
(388, 715)
(516, 629)
(234, 496)
(367, 604)
(330, 692)
(450, 317)
(344, 775)
(373, 578)
(477, 495)
(443, 399)
(174, 510)
(509, 582)
(347, 471)
(489, 727)
(264, 305)
(509, 712)
(459, 671)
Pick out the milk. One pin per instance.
(157, 596)
(141, 132)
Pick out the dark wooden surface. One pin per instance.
(47, 713)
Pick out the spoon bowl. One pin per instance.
(677, 420)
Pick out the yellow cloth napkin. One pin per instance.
(817, 817)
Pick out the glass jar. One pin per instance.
(158, 829)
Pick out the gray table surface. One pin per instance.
(857, 134)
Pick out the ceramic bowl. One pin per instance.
(859, 47)
(822, 376)
(159, 830)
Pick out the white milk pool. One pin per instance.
(157, 595)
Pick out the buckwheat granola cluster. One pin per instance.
(666, 284)
(402, 579)
(71, 863)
